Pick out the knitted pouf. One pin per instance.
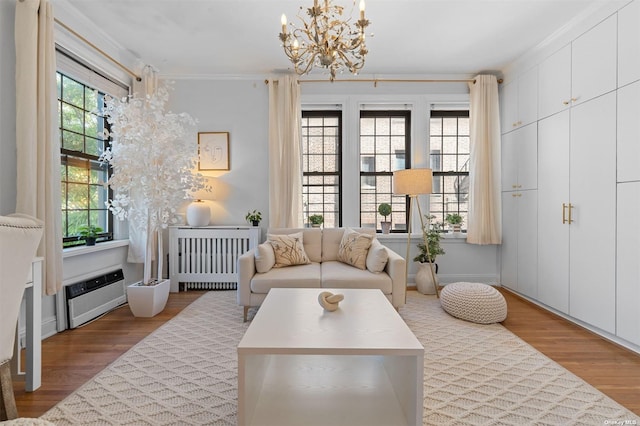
(475, 302)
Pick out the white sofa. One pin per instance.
(324, 271)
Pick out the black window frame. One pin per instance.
(438, 175)
(307, 174)
(406, 115)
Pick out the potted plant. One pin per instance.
(426, 280)
(152, 157)
(254, 217)
(316, 220)
(385, 210)
(455, 220)
(89, 233)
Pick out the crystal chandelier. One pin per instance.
(326, 40)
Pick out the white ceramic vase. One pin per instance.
(148, 301)
(424, 279)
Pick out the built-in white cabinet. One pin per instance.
(519, 159)
(628, 264)
(629, 43)
(629, 132)
(553, 211)
(594, 61)
(521, 98)
(592, 288)
(519, 245)
(554, 83)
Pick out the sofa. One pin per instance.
(330, 258)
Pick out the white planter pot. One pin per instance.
(424, 279)
(148, 301)
(386, 227)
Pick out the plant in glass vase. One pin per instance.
(152, 157)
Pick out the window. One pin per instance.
(321, 165)
(384, 147)
(81, 141)
(81, 92)
(449, 154)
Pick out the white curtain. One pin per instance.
(485, 218)
(285, 165)
(38, 145)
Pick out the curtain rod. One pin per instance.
(102, 52)
(375, 81)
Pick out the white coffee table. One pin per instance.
(301, 365)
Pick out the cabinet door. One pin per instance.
(527, 152)
(528, 97)
(527, 243)
(509, 247)
(509, 160)
(554, 79)
(628, 267)
(629, 43)
(592, 237)
(553, 191)
(629, 132)
(594, 61)
(509, 106)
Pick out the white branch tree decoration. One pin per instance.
(152, 156)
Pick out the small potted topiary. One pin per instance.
(316, 220)
(385, 210)
(254, 217)
(89, 233)
(455, 220)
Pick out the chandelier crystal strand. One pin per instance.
(326, 40)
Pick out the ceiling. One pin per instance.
(411, 37)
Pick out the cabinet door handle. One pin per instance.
(514, 186)
(564, 213)
(574, 99)
(565, 102)
(570, 220)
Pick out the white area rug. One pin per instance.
(185, 373)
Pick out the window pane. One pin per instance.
(72, 92)
(379, 157)
(449, 159)
(321, 165)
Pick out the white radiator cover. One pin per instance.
(206, 258)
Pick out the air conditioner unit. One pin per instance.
(89, 299)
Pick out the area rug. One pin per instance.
(185, 374)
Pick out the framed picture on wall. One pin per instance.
(213, 150)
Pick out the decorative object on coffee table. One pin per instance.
(329, 301)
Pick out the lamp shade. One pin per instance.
(413, 181)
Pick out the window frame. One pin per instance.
(322, 114)
(406, 115)
(444, 113)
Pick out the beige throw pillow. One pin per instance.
(265, 257)
(354, 247)
(288, 249)
(377, 257)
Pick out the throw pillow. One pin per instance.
(377, 257)
(288, 249)
(265, 257)
(354, 247)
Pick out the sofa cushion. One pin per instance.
(299, 276)
(340, 275)
(311, 239)
(331, 238)
(265, 257)
(354, 248)
(377, 257)
(288, 249)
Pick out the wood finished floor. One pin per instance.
(73, 357)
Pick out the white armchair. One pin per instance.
(19, 239)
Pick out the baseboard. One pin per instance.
(454, 278)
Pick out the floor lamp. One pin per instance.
(414, 182)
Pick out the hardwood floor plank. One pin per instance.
(73, 357)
